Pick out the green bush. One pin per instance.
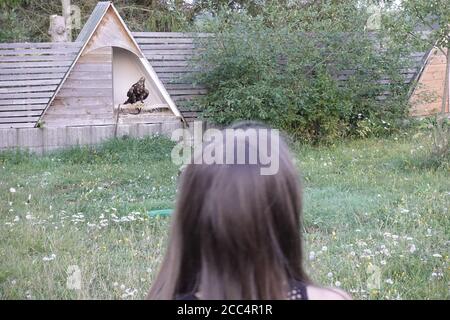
(283, 69)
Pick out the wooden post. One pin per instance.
(57, 29)
(67, 17)
(117, 121)
(446, 93)
(441, 135)
(448, 77)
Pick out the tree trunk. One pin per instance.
(67, 18)
(441, 133)
(57, 29)
(446, 93)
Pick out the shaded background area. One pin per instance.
(28, 20)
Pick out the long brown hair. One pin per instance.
(236, 234)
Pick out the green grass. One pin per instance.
(367, 203)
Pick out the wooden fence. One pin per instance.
(29, 75)
(47, 139)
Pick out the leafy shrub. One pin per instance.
(316, 79)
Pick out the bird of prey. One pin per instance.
(137, 92)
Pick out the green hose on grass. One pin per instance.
(160, 213)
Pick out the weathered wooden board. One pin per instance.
(17, 119)
(44, 94)
(166, 46)
(47, 70)
(171, 34)
(88, 102)
(170, 86)
(87, 83)
(58, 121)
(87, 75)
(159, 63)
(16, 125)
(33, 51)
(185, 97)
(168, 57)
(92, 67)
(11, 102)
(147, 118)
(59, 109)
(28, 89)
(193, 91)
(174, 69)
(181, 52)
(41, 45)
(21, 83)
(28, 58)
(33, 64)
(38, 76)
(22, 107)
(20, 113)
(85, 92)
(145, 43)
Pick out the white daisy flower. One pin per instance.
(49, 258)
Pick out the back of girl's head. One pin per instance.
(235, 232)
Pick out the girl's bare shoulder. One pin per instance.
(319, 293)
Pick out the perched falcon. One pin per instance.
(137, 92)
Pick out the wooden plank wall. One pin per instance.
(427, 97)
(415, 61)
(169, 54)
(47, 139)
(29, 74)
(86, 97)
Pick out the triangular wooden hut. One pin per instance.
(428, 91)
(95, 87)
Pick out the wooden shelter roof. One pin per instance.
(94, 19)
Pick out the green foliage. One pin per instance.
(12, 3)
(284, 67)
(10, 28)
(140, 15)
(24, 20)
(418, 16)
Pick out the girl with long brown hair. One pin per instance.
(236, 234)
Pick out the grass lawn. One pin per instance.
(372, 208)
